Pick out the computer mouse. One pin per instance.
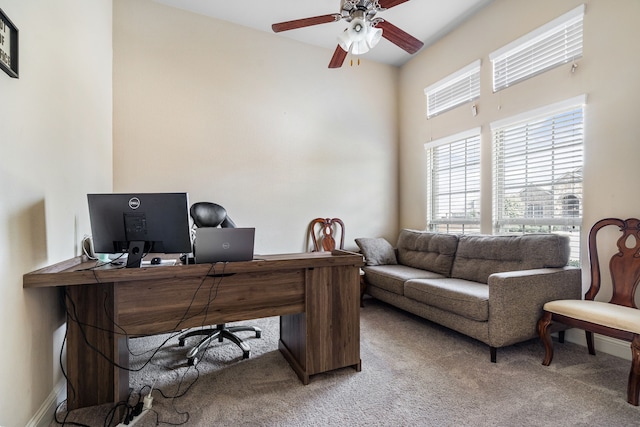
(155, 261)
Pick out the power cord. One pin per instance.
(134, 412)
(148, 400)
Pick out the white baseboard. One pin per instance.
(44, 415)
(602, 343)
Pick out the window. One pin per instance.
(453, 183)
(454, 90)
(538, 161)
(553, 44)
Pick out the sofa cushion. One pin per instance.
(392, 277)
(462, 297)
(479, 256)
(377, 251)
(428, 251)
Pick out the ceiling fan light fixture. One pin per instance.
(359, 37)
(373, 36)
(345, 41)
(359, 47)
(358, 29)
(364, 30)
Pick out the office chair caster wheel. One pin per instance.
(245, 354)
(181, 342)
(192, 361)
(258, 334)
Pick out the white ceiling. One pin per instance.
(427, 20)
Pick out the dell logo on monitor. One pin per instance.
(134, 203)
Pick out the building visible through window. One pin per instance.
(537, 165)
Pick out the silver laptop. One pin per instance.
(223, 244)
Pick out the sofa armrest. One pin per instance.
(516, 299)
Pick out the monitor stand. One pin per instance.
(135, 254)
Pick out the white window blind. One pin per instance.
(453, 183)
(537, 168)
(553, 44)
(454, 90)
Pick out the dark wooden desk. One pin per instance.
(315, 294)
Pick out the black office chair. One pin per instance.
(207, 214)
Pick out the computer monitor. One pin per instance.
(138, 224)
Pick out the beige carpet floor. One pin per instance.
(414, 373)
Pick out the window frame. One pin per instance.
(472, 141)
(558, 216)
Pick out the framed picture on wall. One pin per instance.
(8, 46)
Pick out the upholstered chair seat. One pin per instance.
(600, 313)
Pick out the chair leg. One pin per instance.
(194, 333)
(590, 346)
(493, 352)
(255, 329)
(633, 388)
(246, 350)
(192, 355)
(545, 337)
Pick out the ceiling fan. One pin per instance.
(364, 30)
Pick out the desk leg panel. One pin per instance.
(93, 348)
(292, 346)
(293, 332)
(333, 318)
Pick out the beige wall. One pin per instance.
(252, 121)
(607, 74)
(55, 132)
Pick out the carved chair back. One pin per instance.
(323, 233)
(624, 266)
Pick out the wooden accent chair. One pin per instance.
(619, 318)
(329, 227)
(323, 240)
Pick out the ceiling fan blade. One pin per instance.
(338, 58)
(305, 22)
(399, 37)
(388, 4)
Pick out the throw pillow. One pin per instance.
(377, 251)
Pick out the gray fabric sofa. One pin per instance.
(491, 288)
